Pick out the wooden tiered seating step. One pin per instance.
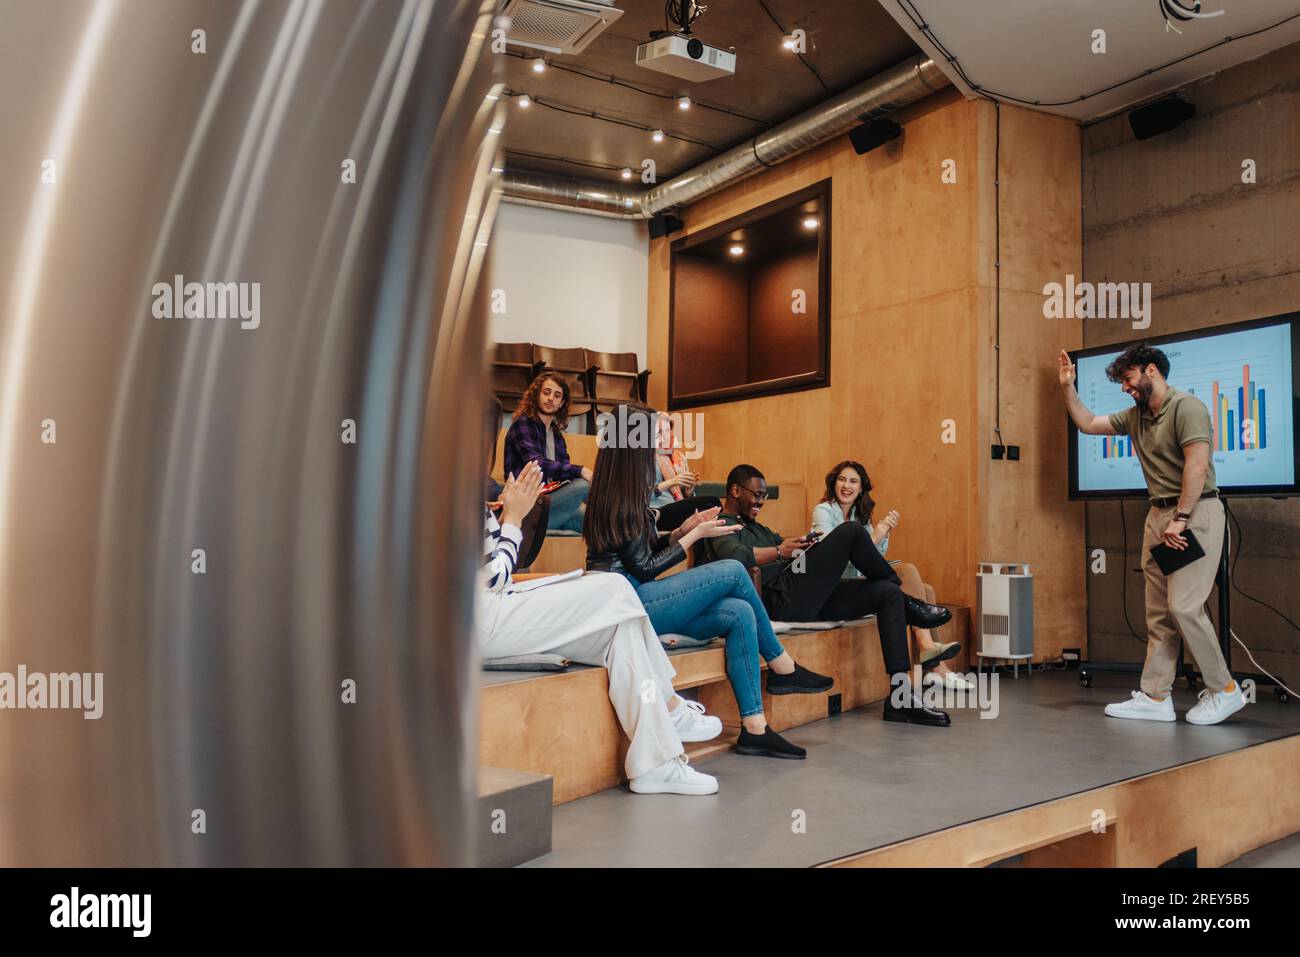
(562, 724)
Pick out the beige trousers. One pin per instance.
(1176, 604)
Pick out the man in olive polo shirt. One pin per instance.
(1170, 430)
(813, 589)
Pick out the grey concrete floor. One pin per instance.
(866, 783)
(1283, 853)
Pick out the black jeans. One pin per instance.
(818, 593)
(673, 514)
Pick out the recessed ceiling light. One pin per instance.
(737, 250)
(683, 103)
(810, 223)
(525, 102)
(539, 65)
(657, 136)
(627, 173)
(788, 42)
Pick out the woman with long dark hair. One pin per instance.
(704, 602)
(848, 499)
(596, 620)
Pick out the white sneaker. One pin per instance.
(1214, 706)
(692, 724)
(1140, 706)
(674, 777)
(951, 680)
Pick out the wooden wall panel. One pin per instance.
(1023, 512)
(912, 346)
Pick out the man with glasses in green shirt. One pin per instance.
(1171, 433)
(811, 588)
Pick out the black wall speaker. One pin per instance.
(1160, 117)
(663, 224)
(874, 133)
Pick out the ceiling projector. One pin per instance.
(686, 57)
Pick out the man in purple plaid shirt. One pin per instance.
(537, 435)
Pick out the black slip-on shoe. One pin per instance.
(799, 681)
(769, 744)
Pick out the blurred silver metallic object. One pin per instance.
(128, 160)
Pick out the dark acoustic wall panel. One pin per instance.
(711, 315)
(783, 342)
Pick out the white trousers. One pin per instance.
(596, 620)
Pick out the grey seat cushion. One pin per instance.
(527, 663)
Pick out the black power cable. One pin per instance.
(592, 114)
(1232, 571)
(997, 269)
(643, 90)
(605, 167)
(802, 59)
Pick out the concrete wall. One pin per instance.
(1173, 211)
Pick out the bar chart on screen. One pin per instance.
(1244, 378)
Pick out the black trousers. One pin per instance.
(818, 593)
(673, 514)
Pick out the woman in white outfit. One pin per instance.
(595, 619)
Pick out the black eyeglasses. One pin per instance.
(759, 496)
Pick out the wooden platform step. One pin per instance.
(514, 813)
(574, 735)
(1227, 805)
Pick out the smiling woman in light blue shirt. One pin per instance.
(848, 499)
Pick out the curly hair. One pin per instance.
(528, 402)
(863, 506)
(1137, 357)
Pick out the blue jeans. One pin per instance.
(711, 600)
(566, 506)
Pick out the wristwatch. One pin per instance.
(1182, 516)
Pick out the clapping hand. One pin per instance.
(714, 528)
(519, 495)
(706, 515)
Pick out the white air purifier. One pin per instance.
(1004, 614)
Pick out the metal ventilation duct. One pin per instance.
(892, 90)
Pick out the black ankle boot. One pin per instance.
(922, 614)
(916, 714)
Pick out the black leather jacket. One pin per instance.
(644, 558)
